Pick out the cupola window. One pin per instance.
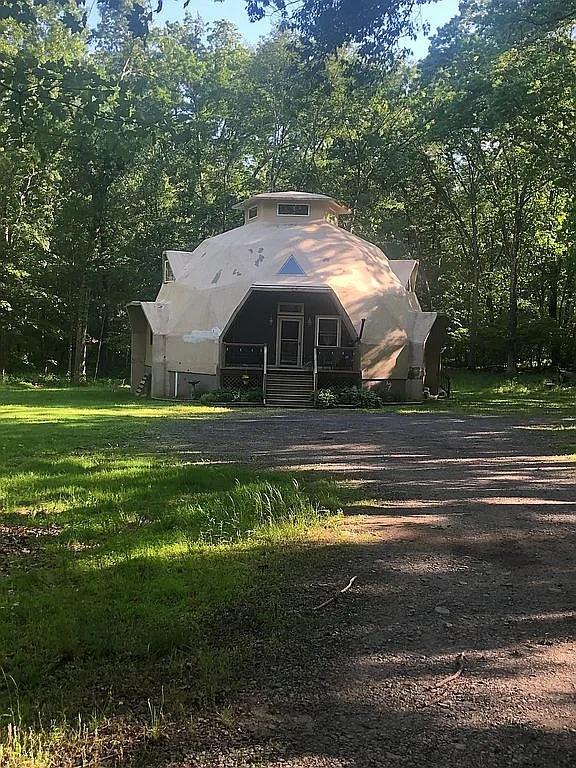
(293, 209)
(252, 212)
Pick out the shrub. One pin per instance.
(231, 396)
(356, 396)
(326, 398)
(368, 398)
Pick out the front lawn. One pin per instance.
(117, 560)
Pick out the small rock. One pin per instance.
(459, 746)
(442, 610)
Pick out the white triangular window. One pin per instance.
(291, 267)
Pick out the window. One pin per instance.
(168, 276)
(328, 332)
(252, 212)
(291, 209)
(290, 309)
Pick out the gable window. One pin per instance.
(327, 331)
(292, 209)
(252, 212)
(168, 274)
(290, 309)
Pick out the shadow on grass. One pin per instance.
(132, 618)
(147, 552)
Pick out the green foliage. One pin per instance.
(356, 396)
(243, 395)
(495, 394)
(122, 557)
(326, 398)
(116, 147)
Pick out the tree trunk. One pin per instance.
(475, 290)
(100, 341)
(80, 340)
(553, 312)
(512, 352)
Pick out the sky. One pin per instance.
(436, 14)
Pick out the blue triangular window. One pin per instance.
(291, 267)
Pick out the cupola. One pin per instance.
(285, 208)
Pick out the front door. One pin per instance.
(289, 342)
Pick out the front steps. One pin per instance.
(143, 388)
(289, 388)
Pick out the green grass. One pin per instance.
(525, 395)
(493, 394)
(120, 560)
(134, 583)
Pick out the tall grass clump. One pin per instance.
(262, 511)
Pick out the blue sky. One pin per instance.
(436, 14)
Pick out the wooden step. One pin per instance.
(140, 390)
(287, 388)
(287, 385)
(289, 403)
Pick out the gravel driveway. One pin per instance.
(466, 546)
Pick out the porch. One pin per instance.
(289, 343)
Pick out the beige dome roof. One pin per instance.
(212, 281)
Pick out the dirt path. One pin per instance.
(467, 546)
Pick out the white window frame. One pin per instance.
(292, 319)
(307, 214)
(338, 330)
(165, 264)
(249, 217)
(283, 311)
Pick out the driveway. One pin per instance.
(455, 646)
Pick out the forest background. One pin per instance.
(120, 138)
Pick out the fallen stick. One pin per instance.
(461, 659)
(331, 599)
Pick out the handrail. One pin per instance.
(326, 346)
(315, 372)
(265, 373)
(344, 357)
(242, 344)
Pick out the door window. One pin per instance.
(290, 332)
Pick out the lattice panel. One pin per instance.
(327, 379)
(241, 380)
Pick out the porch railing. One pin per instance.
(315, 373)
(244, 356)
(264, 373)
(335, 358)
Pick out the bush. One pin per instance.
(231, 396)
(326, 398)
(368, 398)
(356, 396)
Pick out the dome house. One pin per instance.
(289, 302)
